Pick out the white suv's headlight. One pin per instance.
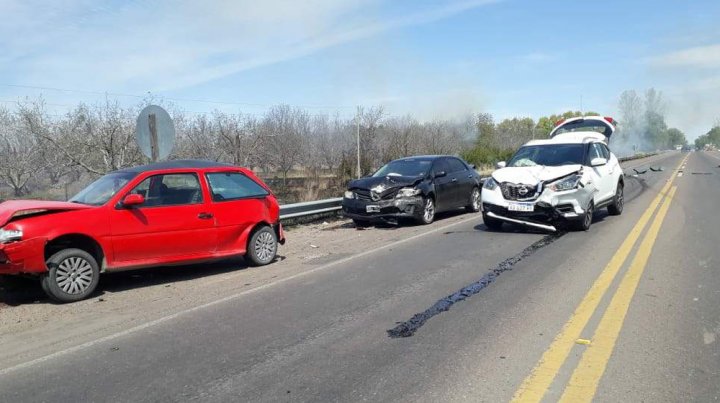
(408, 192)
(349, 194)
(7, 235)
(567, 183)
(490, 184)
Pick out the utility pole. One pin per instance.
(357, 119)
(581, 106)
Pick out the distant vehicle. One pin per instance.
(167, 213)
(413, 187)
(678, 147)
(559, 181)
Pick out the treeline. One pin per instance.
(46, 155)
(709, 139)
(43, 154)
(642, 127)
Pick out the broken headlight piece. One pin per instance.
(407, 192)
(567, 183)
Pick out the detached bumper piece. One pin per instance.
(543, 216)
(382, 210)
(525, 223)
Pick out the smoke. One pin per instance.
(642, 126)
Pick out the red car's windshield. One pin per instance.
(100, 191)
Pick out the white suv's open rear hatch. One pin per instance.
(603, 125)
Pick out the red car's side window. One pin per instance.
(170, 190)
(233, 186)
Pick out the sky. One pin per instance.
(429, 59)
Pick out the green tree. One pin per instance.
(546, 123)
(675, 137)
(485, 129)
(512, 133)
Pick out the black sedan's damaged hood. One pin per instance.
(383, 184)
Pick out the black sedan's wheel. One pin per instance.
(616, 208)
(474, 202)
(493, 224)
(262, 247)
(427, 214)
(73, 274)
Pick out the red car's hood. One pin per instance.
(15, 208)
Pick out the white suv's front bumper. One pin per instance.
(569, 204)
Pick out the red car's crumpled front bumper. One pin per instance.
(23, 256)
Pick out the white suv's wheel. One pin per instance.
(616, 208)
(586, 221)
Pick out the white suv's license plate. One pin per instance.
(524, 207)
(372, 209)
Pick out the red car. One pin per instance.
(168, 213)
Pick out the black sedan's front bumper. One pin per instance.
(382, 210)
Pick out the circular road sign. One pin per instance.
(155, 132)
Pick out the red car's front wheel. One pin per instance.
(73, 275)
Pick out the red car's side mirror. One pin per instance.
(132, 200)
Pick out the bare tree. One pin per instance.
(99, 139)
(20, 152)
(287, 129)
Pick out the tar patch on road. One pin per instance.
(409, 327)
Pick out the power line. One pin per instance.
(196, 113)
(150, 94)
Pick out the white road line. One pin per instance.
(167, 318)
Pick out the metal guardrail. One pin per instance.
(310, 208)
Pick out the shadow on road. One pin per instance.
(16, 291)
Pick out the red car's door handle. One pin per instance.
(205, 216)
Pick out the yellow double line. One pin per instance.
(586, 376)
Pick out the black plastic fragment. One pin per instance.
(409, 327)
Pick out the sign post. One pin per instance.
(155, 133)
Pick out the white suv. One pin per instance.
(561, 180)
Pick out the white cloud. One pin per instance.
(706, 57)
(145, 45)
(537, 57)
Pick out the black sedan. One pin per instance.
(413, 187)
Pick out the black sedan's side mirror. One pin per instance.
(440, 174)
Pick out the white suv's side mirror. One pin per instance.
(501, 164)
(596, 162)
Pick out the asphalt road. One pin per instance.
(624, 312)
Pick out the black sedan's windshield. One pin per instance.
(549, 155)
(100, 191)
(406, 167)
